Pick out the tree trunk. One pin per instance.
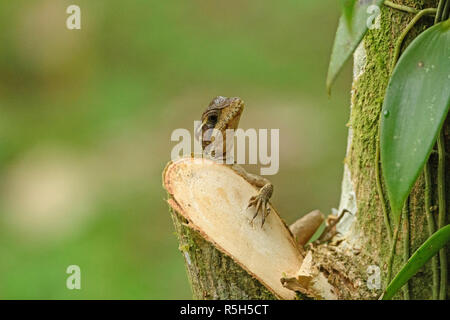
(212, 274)
(364, 230)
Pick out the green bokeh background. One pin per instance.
(86, 117)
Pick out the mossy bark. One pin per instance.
(212, 274)
(367, 230)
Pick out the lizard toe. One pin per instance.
(258, 207)
(260, 202)
(252, 201)
(264, 213)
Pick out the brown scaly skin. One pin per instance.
(222, 114)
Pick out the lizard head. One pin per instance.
(222, 114)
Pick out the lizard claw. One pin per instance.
(260, 202)
(252, 201)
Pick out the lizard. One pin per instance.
(224, 113)
(221, 114)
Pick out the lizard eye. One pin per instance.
(212, 119)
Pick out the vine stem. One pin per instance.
(405, 213)
(402, 36)
(446, 11)
(392, 252)
(380, 188)
(393, 240)
(440, 9)
(442, 212)
(400, 7)
(441, 183)
(431, 229)
(440, 13)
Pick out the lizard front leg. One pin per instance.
(261, 200)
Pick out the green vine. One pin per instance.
(440, 10)
(402, 36)
(405, 213)
(401, 7)
(380, 188)
(431, 229)
(418, 14)
(442, 213)
(446, 11)
(392, 252)
(393, 239)
(442, 14)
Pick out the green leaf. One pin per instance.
(415, 106)
(425, 252)
(348, 7)
(347, 39)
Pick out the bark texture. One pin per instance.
(212, 274)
